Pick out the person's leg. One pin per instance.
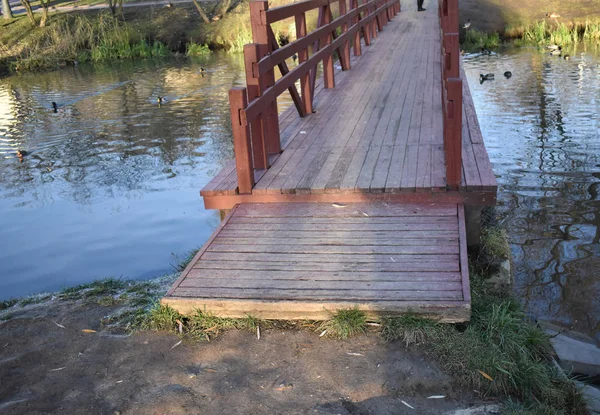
(420, 5)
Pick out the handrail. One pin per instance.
(254, 116)
(452, 99)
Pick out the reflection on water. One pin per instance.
(110, 187)
(542, 131)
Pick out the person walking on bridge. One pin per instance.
(420, 6)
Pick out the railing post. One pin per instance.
(453, 132)
(451, 91)
(355, 20)
(368, 27)
(260, 35)
(241, 141)
(328, 76)
(346, 48)
(305, 88)
(258, 126)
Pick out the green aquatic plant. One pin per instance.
(195, 49)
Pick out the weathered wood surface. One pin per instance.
(303, 260)
(380, 131)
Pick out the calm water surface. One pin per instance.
(111, 185)
(542, 131)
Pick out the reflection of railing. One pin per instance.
(451, 91)
(254, 116)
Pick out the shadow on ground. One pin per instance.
(49, 369)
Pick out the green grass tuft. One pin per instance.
(494, 242)
(476, 40)
(200, 325)
(345, 323)
(8, 303)
(195, 49)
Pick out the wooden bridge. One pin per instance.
(365, 192)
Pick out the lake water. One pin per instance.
(111, 185)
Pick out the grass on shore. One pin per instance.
(542, 33)
(498, 353)
(476, 40)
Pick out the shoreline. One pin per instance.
(465, 355)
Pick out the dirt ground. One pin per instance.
(45, 368)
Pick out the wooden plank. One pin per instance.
(330, 266)
(443, 311)
(332, 258)
(409, 171)
(464, 258)
(342, 227)
(390, 220)
(349, 210)
(228, 274)
(391, 251)
(232, 233)
(317, 286)
(301, 295)
(323, 242)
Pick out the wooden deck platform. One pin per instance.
(379, 131)
(306, 260)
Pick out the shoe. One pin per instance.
(421, 10)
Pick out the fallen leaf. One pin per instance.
(59, 325)
(485, 375)
(88, 331)
(258, 332)
(436, 397)
(411, 407)
(119, 381)
(176, 344)
(323, 333)
(180, 324)
(354, 354)
(57, 369)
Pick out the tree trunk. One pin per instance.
(6, 11)
(29, 12)
(201, 11)
(44, 4)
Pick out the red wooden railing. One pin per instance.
(451, 91)
(254, 116)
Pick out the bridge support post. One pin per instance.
(473, 225)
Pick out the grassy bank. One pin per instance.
(137, 33)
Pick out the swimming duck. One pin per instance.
(161, 100)
(467, 25)
(556, 52)
(486, 77)
(553, 15)
(554, 47)
(507, 74)
(567, 57)
(54, 107)
(202, 70)
(21, 154)
(486, 51)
